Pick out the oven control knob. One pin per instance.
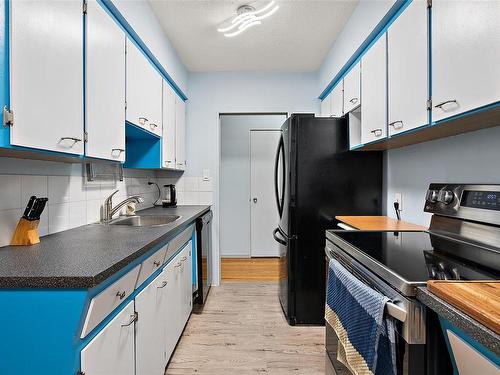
(432, 195)
(446, 196)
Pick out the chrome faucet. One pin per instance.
(109, 210)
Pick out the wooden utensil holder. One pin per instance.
(26, 233)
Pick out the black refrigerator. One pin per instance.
(317, 178)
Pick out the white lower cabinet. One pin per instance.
(111, 352)
(153, 327)
(151, 306)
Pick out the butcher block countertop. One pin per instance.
(379, 223)
(478, 299)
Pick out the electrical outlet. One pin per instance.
(398, 197)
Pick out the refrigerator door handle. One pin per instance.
(277, 239)
(279, 151)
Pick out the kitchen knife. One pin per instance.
(29, 206)
(39, 208)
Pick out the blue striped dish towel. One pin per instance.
(356, 314)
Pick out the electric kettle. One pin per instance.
(169, 198)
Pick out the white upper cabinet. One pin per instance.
(105, 98)
(46, 75)
(168, 140)
(337, 100)
(144, 91)
(465, 56)
(407, 69)
(374, 92)
(180, 133)
(352, 87)
(112, 350)
(325, 106)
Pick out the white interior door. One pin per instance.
(264, 216)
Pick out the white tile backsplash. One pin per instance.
(58, 189)
(32, 185)
(58, 217)
(10, 192)
(73, 201)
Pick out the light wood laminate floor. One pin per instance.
(242, 331)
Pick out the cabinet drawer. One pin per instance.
(151, 264)
(109, 299)
(179, 241)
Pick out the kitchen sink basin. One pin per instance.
(146, 220)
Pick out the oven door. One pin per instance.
(410, 358)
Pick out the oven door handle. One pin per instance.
(392, 308)
(396, 312)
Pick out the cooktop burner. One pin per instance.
(418, 256)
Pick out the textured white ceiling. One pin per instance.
(296, 38)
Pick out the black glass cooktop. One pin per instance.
(420, 256)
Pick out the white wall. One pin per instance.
(214, 93)
(140, 16)
(366, 16)
(472, 157)
(235, 180)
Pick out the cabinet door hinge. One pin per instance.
(429, 3)
(125, 105)
(84, 7)
(429, 104)
(8, 117)
(85, 137)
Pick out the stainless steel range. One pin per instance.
(463, 242)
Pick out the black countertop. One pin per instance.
(461, 320)
(85, 256)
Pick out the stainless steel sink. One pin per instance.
(146, 220)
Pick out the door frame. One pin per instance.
(250, 179)
(217, 198)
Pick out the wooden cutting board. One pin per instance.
(378, 223)
(478, 299)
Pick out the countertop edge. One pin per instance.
(461, 320)
(13, 283)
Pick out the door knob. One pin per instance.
(255, 200)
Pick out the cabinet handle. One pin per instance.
(354, 100)
(377, 132)
(163, 285)
(178, 264)
(74, 139)
(143, 120)
(133, 318)
(395, 124)
(440, 105)
(119, 150)
(121, 294)
(157, 264)
(152, 124)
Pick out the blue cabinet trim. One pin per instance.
(447, 326)
(393, 13)
(129, 30)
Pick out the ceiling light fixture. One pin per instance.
(247, 16)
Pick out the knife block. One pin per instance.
(26, 233)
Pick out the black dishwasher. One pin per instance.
(204, 257)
